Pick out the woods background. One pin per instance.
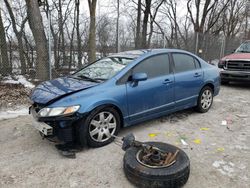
(43, 39)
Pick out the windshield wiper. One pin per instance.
(86, 78)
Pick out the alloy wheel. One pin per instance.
(206, 99)
(102, 126)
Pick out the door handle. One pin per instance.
(167, 81)
(197, 74)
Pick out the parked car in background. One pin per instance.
(123, 89)
(236, 66)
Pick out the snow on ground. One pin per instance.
(19, 80)
(13, 113)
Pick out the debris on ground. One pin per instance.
(184, 143)
(12, 95)
(197, 141)
(220, 149)
(223, 122)
(242, 115)
(204, 129)
(152, 135)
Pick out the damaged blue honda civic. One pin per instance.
(90, 106)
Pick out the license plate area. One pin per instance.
(43, 128)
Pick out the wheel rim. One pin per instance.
(206, 99)
(102, 126)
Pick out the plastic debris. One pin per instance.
(223, 122)
(220, 149)
(152, 135)
(204, 129)
(184, 142)
(197, 141)
(242, 115)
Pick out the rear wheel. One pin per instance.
(205, 99)
(99, 126)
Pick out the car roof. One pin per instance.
(133, 54)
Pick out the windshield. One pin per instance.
(103, 69)
(244, 48)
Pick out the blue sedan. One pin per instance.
(91, 105)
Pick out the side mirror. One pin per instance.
(136, 77)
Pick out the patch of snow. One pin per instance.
(217, 164)
(228, 169)
(225, 168)
(8, 114)
(20, 80)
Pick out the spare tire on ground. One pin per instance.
(173, 176)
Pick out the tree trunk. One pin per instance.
(117, 43)
(5, 69)
(61, 33)
(19, 36)
(145, 23)
(37, 28)
(79, 42)
(92, 32)
(138, 27)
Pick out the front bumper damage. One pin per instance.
(62, 127)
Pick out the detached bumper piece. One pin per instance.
(43, 128)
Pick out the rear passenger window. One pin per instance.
(184, 62)
(154, 66)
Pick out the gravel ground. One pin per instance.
(219, 154)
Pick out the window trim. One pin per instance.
(183, 53)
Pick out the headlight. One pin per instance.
(57, 111)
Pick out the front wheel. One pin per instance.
(99, 127)
(205, 100)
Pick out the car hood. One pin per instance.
(57, 88)
(235, 56)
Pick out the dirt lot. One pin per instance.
(219, 154)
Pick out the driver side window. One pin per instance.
(155, 66)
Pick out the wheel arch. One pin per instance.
(209, 84)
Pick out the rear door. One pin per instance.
(156, 94)
(188, 79)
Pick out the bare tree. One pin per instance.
(232, 18)
(138, 26)
(37, 28)
(199, 16)
(92, 31)
(19, 36)
(104, 35)
(145, 23)
(117, 43)
(153, 14)
(4, 60)
(79, 39)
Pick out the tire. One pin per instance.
(201, 105)
(173, 176)
(87, 127)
